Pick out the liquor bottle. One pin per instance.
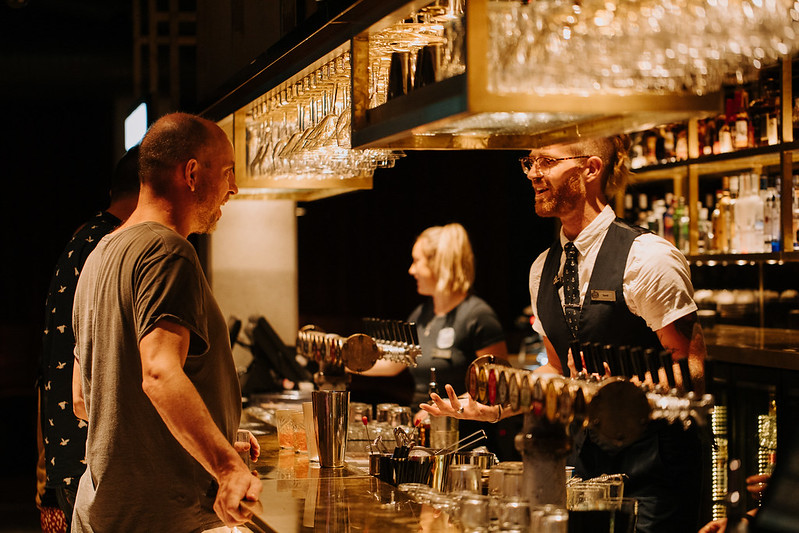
(721, 222)
(772, 232)
(643, 210)
(667, 134)
(743, 127)
(710, 137)
(630, 214)
(734, 236)
(656, 217)
(749, 210)
(425, 424)
(668, 218)
(771, 99)
(432, 385)
(681, 145)
(705, 230)
(717, 223)
(681, 226)
(637, 158)
(725, 139)
(650, 144)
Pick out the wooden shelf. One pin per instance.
(725, 259)
(741, 160)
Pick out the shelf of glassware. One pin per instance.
(471, 102)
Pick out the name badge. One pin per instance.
(603, 296)
(446, 338)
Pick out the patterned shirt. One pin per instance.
(63, 433)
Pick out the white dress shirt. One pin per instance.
(657, 279)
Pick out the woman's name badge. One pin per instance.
(603, 296)
(446, 338)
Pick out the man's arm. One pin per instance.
(78, 403)
(163, 353)
(683, 338)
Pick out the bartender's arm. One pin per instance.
(163, 353)
(683, 338)
(383, 367)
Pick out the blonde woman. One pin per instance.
(454, 325)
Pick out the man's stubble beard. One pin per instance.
(563, 200)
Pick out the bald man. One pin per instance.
(154, 375)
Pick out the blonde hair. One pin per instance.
(450, 257)
(615, 154)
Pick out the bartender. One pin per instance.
(454, 325)
(605, 281)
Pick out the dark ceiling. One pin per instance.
(63, 49)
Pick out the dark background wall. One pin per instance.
(64, 69)
(355, 249)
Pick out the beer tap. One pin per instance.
(556, 408)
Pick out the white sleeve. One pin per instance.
(535, 280)
(657, 282)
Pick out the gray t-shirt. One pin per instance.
(138, 477)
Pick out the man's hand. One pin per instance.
(236, 485)
(250, 444)
(464, 407)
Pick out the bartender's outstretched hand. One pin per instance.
(235, 485)
(464, 407)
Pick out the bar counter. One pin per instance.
(768, 347)
(299, 496)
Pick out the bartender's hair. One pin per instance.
(450, 257)
(171, 141)
(614, 152)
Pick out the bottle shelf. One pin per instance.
(743, 259)
(739, 160)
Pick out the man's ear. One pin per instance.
(593, 168)
(190, 172)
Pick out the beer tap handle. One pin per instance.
(384, 331)
(685, 371)
(610, 357)
(625, 363)
(578, 361)
(402, 334)
(414, 333)
(653, 364)
(588, 353)
(668, 365)
(636, 357)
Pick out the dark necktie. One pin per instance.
(571, 288)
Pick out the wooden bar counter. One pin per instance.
(767, 347)
(299, 496)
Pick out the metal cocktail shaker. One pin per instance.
(330, 414)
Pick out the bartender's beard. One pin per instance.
(562, 200)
